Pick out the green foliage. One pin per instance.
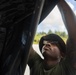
(63, 35)
(49, 32)
(38, 36)
(41, 33)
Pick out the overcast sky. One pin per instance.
(54, 20)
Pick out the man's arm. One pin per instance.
(69, 20)
(68, 17)
(33, 57)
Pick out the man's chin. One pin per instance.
(50, 57)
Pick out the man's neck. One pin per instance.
(50, 63)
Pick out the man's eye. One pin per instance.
(54, 42)
(47, 44)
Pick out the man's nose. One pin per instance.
(47, 45)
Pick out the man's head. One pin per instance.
(52, 41)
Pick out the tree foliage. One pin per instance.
(63, 35)
(49, 32)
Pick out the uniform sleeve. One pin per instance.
(32, 60)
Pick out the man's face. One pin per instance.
(50, 50)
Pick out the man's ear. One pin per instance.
(62, 55)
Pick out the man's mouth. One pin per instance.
(44, 50)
